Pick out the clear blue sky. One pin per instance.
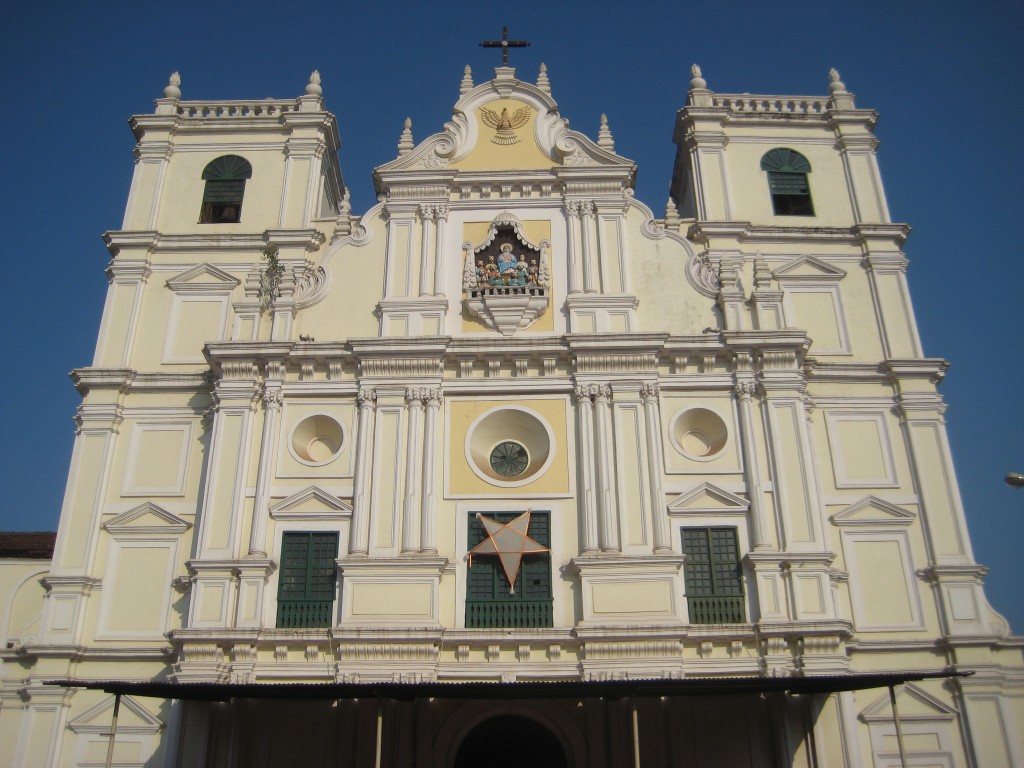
(945, 77)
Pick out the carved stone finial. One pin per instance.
(672, 220)
(604, 135)
(835, 85)
(313, 86)
(405, 143)
(839, 98)
(173, 89)
(467, 81)
(697, 81)
(343, 224)
(542, 79)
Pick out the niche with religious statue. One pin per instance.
(506, 278)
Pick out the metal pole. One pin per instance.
(380, 733)
(113, 730)
(636, 736)
(899, 730)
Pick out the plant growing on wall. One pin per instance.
(270, 277)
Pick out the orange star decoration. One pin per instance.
(509, 542)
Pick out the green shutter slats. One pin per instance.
(785, 160)
(227, 167)
(713, 576)
(305, 593)
(488, 602)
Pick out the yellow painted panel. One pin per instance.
(795, 502)
(229, 447)
(487, 155)
(646, 596)
(198, 322)
(388, 489)
(139, 589)
(391, 599)
(211, 602)
(463, 481)
(862, 450)
(881, 582)
(629, 447)
(816, 311)
(159, 457)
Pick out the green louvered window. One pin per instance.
(714, 581)
(787, 182)
(488, 602)
(225, 187)
(305, 591)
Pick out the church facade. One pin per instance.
(509, 467)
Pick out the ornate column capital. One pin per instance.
(414, 396)
(441, 211)
(433, 397)
(649, 392)
(272, 396)
(746, 388)
(366, 397)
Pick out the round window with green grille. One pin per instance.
(509, 458)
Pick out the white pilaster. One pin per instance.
(413, 465)
(359, 539)
(426, 225)
(588, 482)
(428, 508)
(656, 467)
(271, 411)
(608, 524)
(440, 219)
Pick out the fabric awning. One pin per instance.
(555, 689)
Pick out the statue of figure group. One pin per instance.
(509, 270)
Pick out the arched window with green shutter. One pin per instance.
(787, 182)
(225, 187)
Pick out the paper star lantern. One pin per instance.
(509, 542)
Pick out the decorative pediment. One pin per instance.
(502, 124)
(914, 704)
(873, 512)
(708, 499)
(146, 518)
(202, 278)
(131, 718)
(312, 503)
(808, 268)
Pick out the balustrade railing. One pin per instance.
(482, 614)
(719, 609)
(230, 109)
(295, 614)
(775, 105)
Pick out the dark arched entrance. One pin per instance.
(508, 741)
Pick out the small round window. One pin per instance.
(509, 458)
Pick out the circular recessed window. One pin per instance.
(699, 433)
(317, 440)
(509, 458)
(509, 446)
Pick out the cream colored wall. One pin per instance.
(748, 184)
(21, 599)
(667, 302)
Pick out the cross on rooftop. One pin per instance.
(504, 44)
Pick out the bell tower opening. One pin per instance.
(509, 741)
